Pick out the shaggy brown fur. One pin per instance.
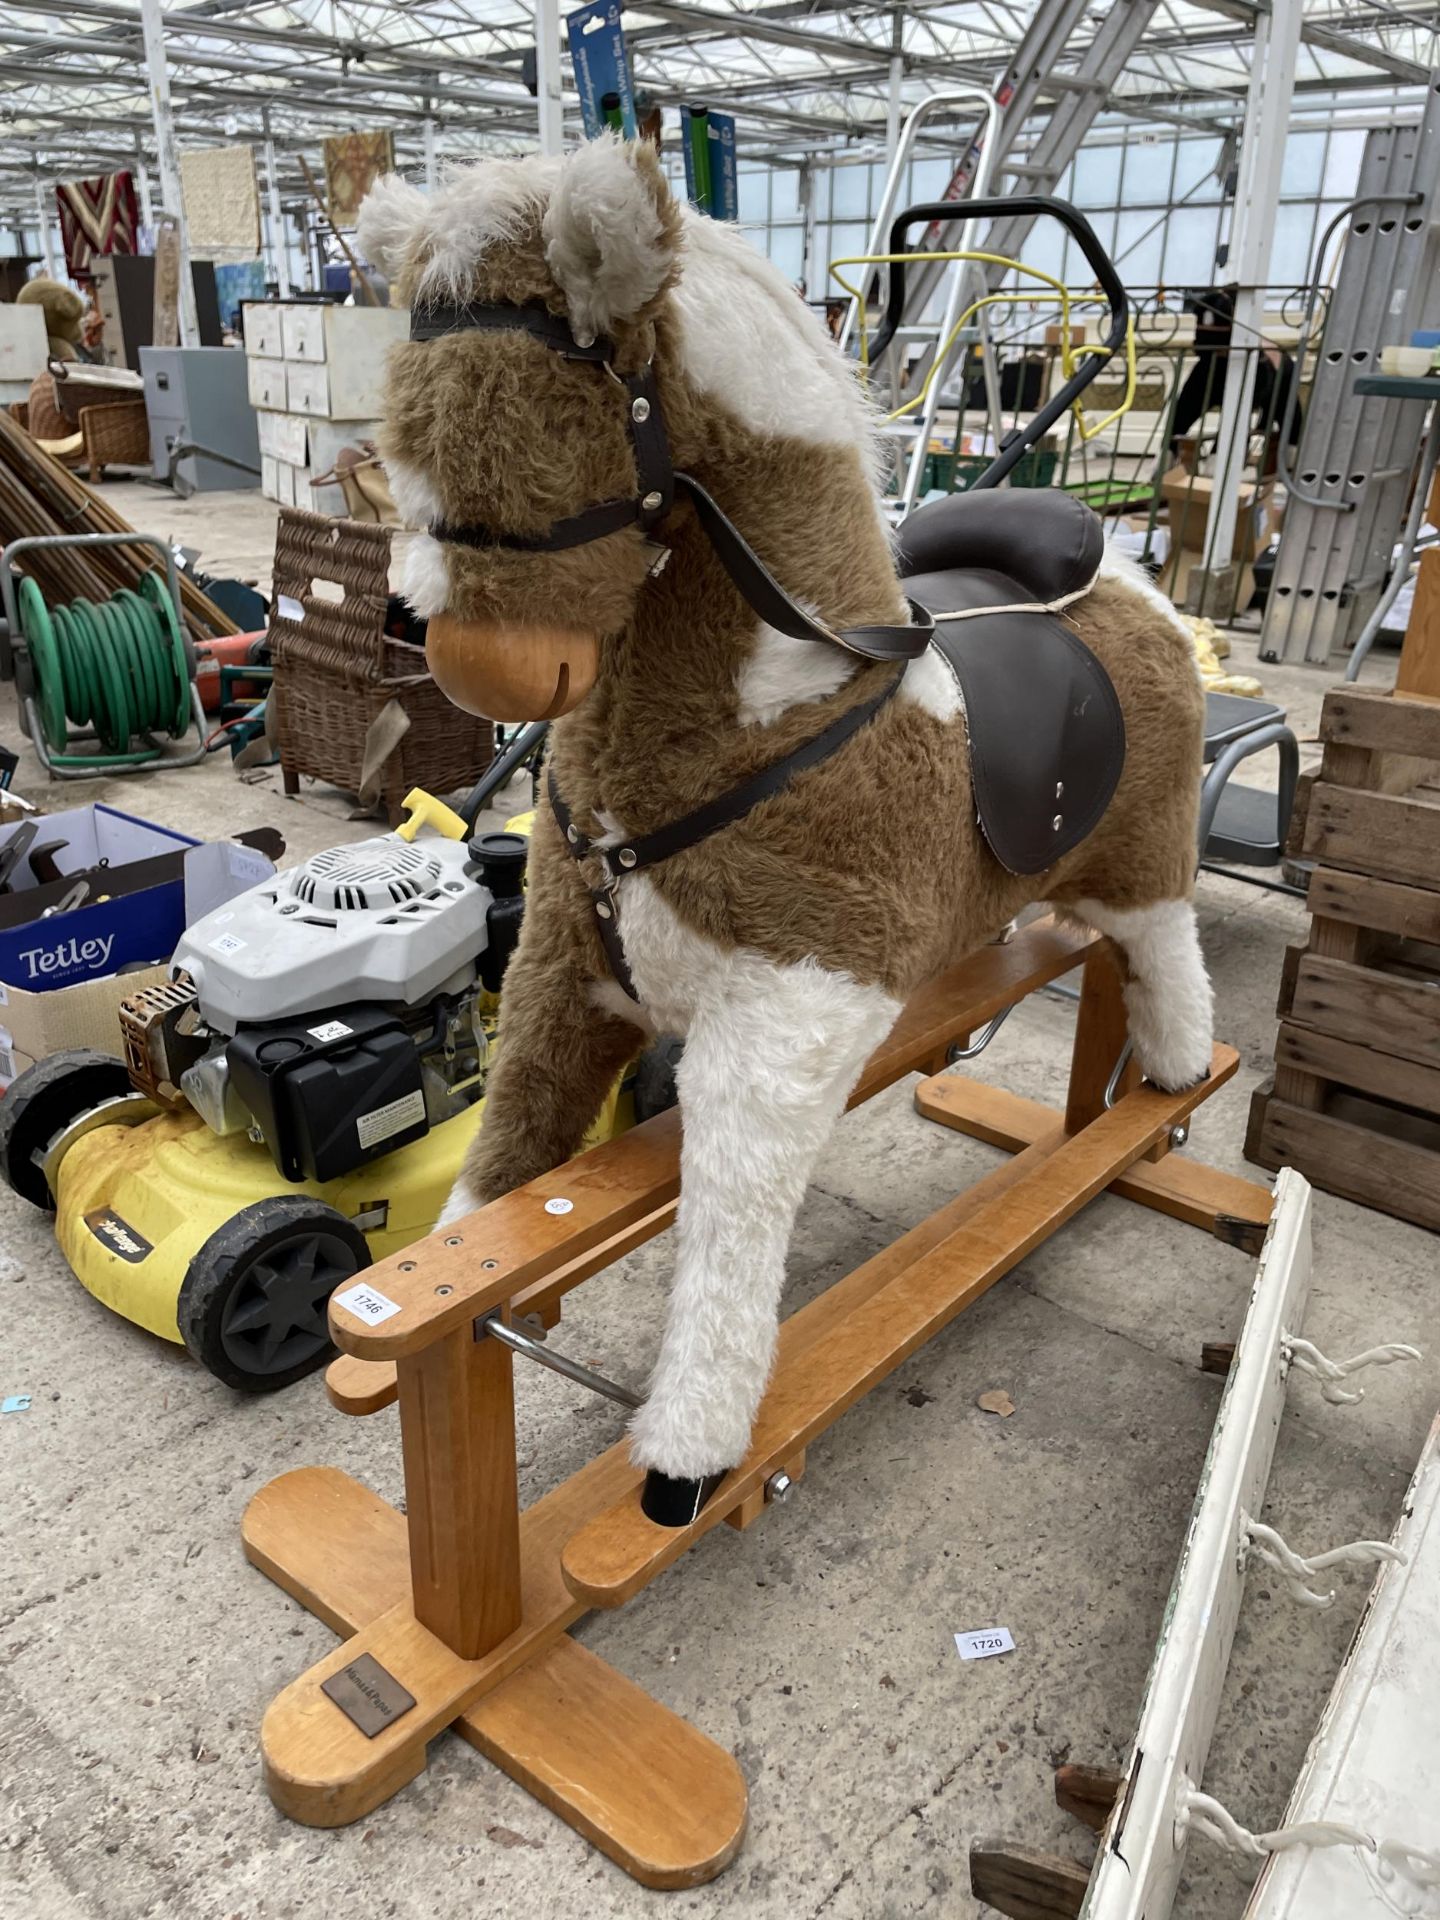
(872, 863)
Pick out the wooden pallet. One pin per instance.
(456, 1612)
(1355, 1099)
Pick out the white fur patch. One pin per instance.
(605, 239)
(782, 673)
(771, 1054)
(461, 1202)
(1169, 999)
(414, 492)
(448, 230)
(748, 339)
(425, 576)
(930, 684)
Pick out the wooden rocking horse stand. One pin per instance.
(455, 1614)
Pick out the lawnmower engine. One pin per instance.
(339, 1010)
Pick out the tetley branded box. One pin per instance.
(135, 912)
(62, 978)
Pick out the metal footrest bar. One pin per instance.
(492, 1327)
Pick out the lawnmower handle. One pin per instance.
(1034, 204)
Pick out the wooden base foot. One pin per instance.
(1236, 1211)
(660, 1798)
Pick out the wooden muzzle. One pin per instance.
(512, 672)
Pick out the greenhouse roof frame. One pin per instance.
(806, 79)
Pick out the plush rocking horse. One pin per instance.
(791, 783)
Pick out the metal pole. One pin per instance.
(895, 99)
(43, 218)
(170, 191)
(279, 243)
(1257, 194)
(812, 267)
(431, 169)
(142, 186)
(547, 76)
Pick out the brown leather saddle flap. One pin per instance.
(1047, 737)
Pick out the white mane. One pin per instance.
(749, 340)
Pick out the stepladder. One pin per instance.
(456, 1613)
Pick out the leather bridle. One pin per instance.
(657, 485)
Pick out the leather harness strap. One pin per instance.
(649, 849)
(657, 485)
(768, 598)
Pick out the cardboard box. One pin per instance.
(1187, 497)
(139, 918)
(87, 1014)
(62, 977)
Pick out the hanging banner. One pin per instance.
(710, 181)
(602, 69)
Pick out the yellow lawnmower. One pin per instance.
(295, 1100)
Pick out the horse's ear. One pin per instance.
(391, 218)
(612, 234)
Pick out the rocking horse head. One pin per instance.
(578, 340)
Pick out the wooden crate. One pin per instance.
(1355, 1100)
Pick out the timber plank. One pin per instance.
(1411, 913)
(1356, 1162)
(1025, 1884)
(1383, 1011)
(479, 1262)
(1386, 835)
(1385, 722)
(609, 1560)
(1385, 1075)
(1089, 1793)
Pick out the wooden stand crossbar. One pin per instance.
(455, 1614)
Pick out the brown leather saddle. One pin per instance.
(1047, 737)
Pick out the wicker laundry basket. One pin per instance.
(338, 674)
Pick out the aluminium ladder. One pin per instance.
(1080, 95)
(1352, 475)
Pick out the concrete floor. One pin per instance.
(139, 1649)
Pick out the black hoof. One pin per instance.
(676, 1503)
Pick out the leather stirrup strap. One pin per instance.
(768, 598)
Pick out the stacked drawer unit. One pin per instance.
(316, 379)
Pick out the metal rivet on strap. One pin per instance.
(602, 908)
(1059, 789)
(572, 834)
(652, 501)
(584, 341)
(640, 408)
(1057, 822)
(626, 856)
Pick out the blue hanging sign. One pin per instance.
(724, 188)
(602, 68)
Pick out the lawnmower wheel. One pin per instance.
(252, 1305)
(42, 1102)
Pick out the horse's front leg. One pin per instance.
(771, 1055)
(558, 1050)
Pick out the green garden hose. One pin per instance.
(118, 667)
